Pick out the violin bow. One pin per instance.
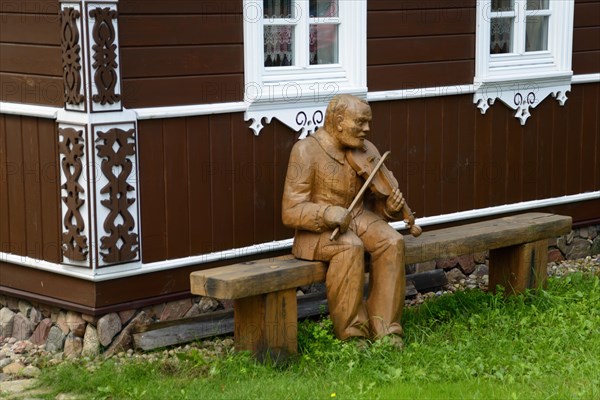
(362, 190)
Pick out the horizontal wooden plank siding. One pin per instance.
(29, 188)
(586, 37)
(420, 44)
(181, 52)
(30, 66)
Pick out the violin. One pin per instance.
(383, 183)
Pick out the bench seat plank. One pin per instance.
(269, 275)
(486, 235)
(254, 278)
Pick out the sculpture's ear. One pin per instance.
(339, 119)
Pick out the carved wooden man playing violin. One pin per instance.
(336, 182)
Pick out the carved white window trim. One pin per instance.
(298, 96)
(524, 80)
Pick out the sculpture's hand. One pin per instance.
(394, 202)
(336, 216)
(415, 230)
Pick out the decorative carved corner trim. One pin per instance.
(305, 120)
(71, 56)
(104, 49)
(74, 241)
(521, 96)
(116, 147)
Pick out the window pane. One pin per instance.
(537, 4)
(536, 34)
(278, 9)
(323, 8)
(501, 35)
(323, 44)
(502, 5)
(279, 45)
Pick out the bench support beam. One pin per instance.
(519, 267)
(267, 324)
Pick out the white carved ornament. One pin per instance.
(305, 120)
(519, 96)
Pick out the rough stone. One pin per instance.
(194, 311)
(481, 270)
(2, 300)
(580, 248)
(207, 304)
(455, 275)
(90, 319)
(561, 243)
(21, 347)
(61, 322)
(40, 334)
(466, 263)
(91, 342)
(17, 387)
(55, 340)
(480, 258)
(108, 326)
(12, 303)
(126, 316)
(45, 309)
(570, 237)
(446, 263)
(124, 340)
(13, 368)
(425, 266)
(25, 307)
(30, 371)
(73, 346)
(175, 309)
(22, 327)
(583, 232)
(555, 255)
(35, 316)
(593, 232)
(595, 249)
(7, 317)
(75, 323)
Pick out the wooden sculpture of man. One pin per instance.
(320, 186)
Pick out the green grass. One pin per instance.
(469, 345)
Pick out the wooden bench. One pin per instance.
(264, 291)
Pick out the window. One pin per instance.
(283, 25)
(300, 53)
(523, 52)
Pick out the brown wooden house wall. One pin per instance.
(30, 66)
(416, 44)
(29, 188)
(207, 184)
(181, 52)
(586, 37)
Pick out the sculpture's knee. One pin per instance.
(395, 241)
(352, 245)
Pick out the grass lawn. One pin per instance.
(468, 345)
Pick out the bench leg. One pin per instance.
(519, 267)
(267, 324)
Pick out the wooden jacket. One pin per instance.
(319, 176)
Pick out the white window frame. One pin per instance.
(522, 79)
(298, 95)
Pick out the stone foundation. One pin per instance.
(77, 334)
